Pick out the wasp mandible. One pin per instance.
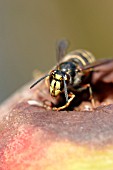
(71, 73)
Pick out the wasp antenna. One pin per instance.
(39, 80)
(65, 90)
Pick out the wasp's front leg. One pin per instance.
(71, 97)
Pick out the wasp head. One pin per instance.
(58, 82)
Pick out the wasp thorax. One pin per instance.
(57, 82)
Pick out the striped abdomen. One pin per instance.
(81, 57)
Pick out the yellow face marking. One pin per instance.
(58, 77)
(55, 88)
(51, 90)
(55, 91)
(57, 85)
(52, 83)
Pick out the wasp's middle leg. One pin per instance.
(84, 87)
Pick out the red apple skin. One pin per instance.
(34, 139)
(30, 149)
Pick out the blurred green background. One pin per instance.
(30, 29)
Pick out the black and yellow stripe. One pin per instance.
(80, 57)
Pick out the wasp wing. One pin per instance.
(61, 49)
(102, 70)
(95, 65)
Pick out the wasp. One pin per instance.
(70, 75)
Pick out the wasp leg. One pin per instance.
(84, 87)
(72, 96)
